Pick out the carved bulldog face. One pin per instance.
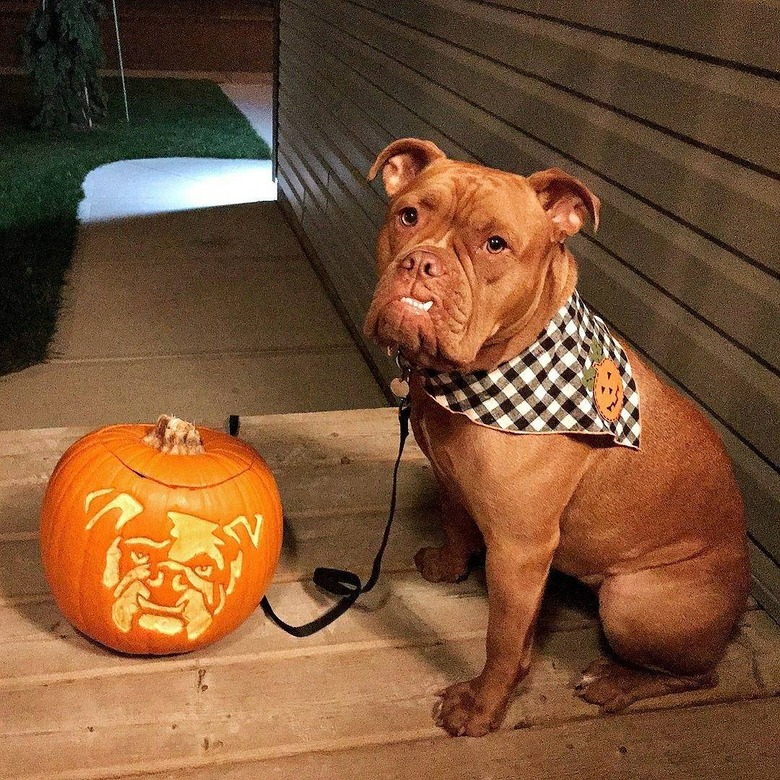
(466, 252)
(175, 579)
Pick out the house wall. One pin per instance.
(667, 111)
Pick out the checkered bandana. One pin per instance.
(575, 378)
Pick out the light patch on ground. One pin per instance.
(131, 188)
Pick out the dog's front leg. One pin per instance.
(516, 574)
(450, 563)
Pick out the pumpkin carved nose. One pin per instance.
(423, 263)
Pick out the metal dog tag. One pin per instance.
(399, 387)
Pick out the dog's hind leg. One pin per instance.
(668, 626)
(614, 685)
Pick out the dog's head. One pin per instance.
(468, 256)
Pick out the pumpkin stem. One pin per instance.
(174, 436)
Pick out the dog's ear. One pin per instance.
(402, 161)
(565, 200)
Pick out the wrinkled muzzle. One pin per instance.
(419, 306)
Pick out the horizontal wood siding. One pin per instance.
(669, 114)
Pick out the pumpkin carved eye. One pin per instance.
(204, 571)
(408, 216)
(139, 558)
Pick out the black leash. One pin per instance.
(338, 582)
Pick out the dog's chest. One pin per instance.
(487, 468)
(451, 444)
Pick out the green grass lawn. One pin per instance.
(40, 186)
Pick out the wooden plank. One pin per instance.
(690, 183)
(287, 442)
(671, 257)
(307, 84)
(290, 183)
(741, 32)
(349, 156)
(352, 695)
(358, 134)
(760, 485)
(726, 110)
(38, 646)
(327, 437)
(287, 197)
(347, 222)
(765, 649)
(349, 502)
(46, 444)
(71, 709)
(723, 741)
(352, 281)
(307, 171)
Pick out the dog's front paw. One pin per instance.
(463, 713)
(440, 564)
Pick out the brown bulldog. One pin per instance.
(472, 267)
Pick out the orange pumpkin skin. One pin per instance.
(153, 553)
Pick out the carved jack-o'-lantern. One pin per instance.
(608, 391)
(159, 540)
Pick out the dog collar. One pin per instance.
(575, 378)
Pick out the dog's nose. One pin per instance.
(425, 263)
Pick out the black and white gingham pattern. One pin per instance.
(542, 389)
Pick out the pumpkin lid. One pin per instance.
(223, 457)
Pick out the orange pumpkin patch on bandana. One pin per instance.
(608, 390)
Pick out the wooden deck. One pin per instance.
(354, 701)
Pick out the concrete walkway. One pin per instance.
(189, 296)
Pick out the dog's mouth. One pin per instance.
(419, 325)
(404, 321)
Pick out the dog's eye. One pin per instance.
(139, 558)
(408, 216)
(495, 244)
(204, 571)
